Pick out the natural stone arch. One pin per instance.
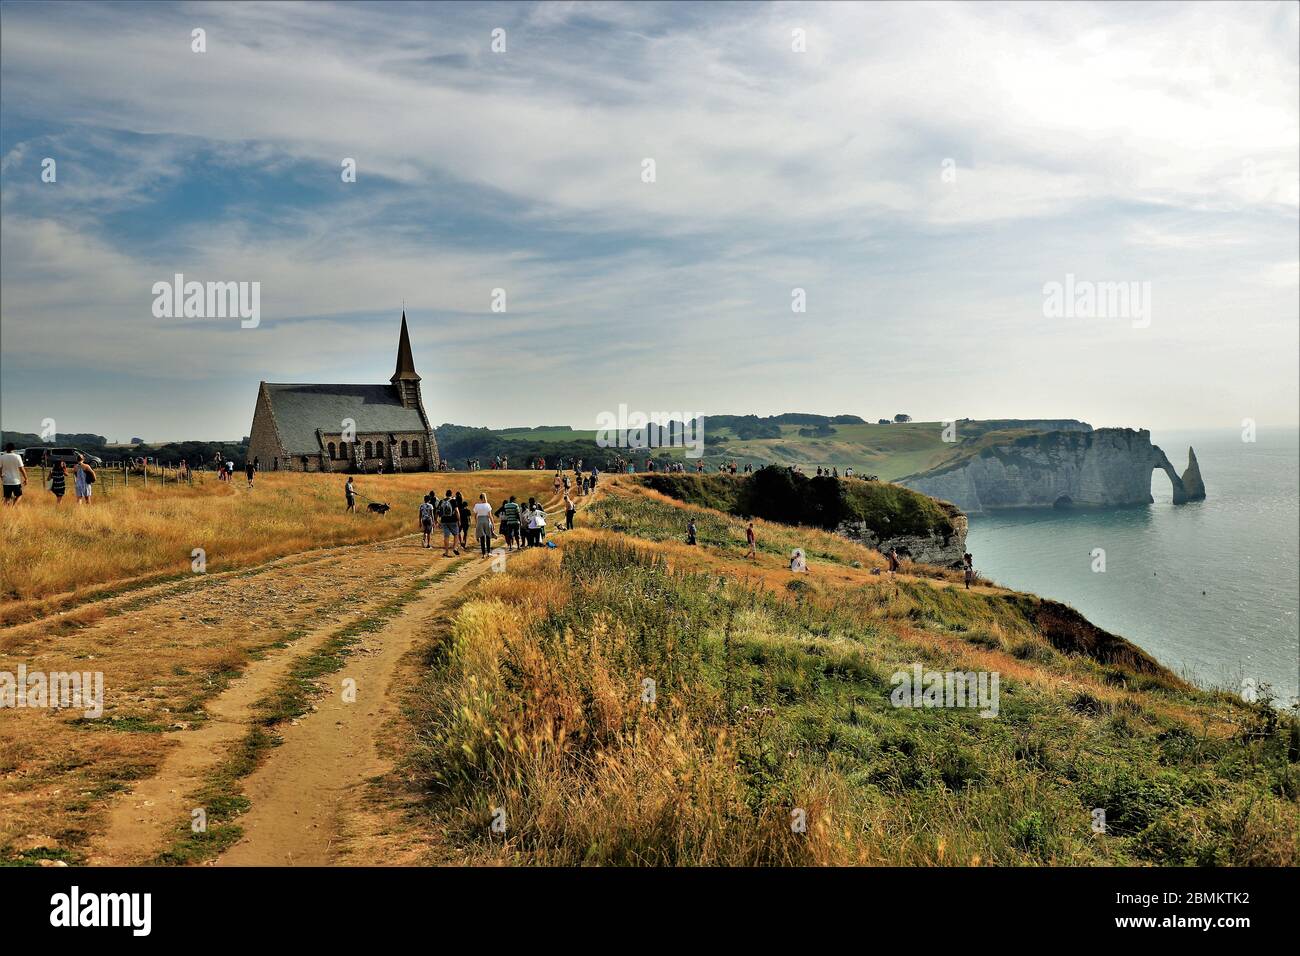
(1161, 463)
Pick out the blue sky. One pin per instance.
(1116, 142)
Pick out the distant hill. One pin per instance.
(832, 441)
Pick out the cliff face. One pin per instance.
(927, 549)
(1103, 468)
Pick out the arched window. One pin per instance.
(370, 451)
(343, 450)
(331, 451)
(415, 449)
(405, 450)
(379, 449)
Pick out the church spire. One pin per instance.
(405, 362)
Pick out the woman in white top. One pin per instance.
(483, 524)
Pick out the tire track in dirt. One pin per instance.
(309, 784)
(141, 821)
(329, 595)
(307, 797)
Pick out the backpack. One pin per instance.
(90, 474)
(447, 509)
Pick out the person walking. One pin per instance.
(530, 523)
(83, 480)
(350, 493)
(569, 509)
(450, 520)
(893, 562)
(556, 483)
(250, 469)
(690, 531)
(426, 523)
(59, 481)
(462, 513)
(752, 541)
(483, 524)
(510, 518)
(539, 526)
(13, 474)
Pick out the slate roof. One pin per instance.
(301, 409)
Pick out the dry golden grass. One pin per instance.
(774, 694)
(137, 535)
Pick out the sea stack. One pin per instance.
(1192, 483)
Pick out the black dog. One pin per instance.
(377, 508)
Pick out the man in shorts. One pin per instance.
(449, 517)
(14, 475)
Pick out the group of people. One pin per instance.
(13, 475)
(522, 525)
(582, 484)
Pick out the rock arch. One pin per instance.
(1187, 486)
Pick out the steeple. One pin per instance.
(405, 362)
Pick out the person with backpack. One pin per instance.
(426, 523)
(450, 520)
(250, 469)
(83, 479)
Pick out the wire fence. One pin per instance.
(118, 475)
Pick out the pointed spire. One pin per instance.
(405, 362)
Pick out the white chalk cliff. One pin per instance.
(1103, 468)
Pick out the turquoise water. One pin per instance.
(1241, 547)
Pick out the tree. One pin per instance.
(900, 417)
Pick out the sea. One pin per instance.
(1211, 589)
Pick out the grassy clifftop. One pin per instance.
(775, 494)
(628, 699)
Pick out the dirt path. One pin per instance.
(308, 784)
(299, 792)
